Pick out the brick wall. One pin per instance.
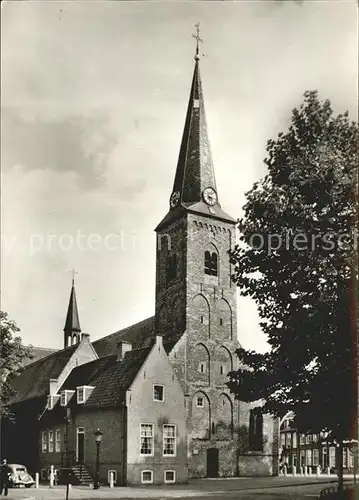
(143, 409)
(206, 352)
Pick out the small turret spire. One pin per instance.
(72, 327)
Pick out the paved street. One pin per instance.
(238, 488)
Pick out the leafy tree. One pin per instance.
(297, 260)
(12, 356)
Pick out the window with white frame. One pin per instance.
(159, 393)
(315, 457)
(351, 459)
(308, 457)
(50, 402)
(294, 439)
(44, 442)
(169, 440)
(57, 440)
(51, 441)
(146, 476)
(170, 476)
(200, 402)
(332, 456)
(345, 458)
(81, 395)
(63, 398)
(146, 439)
(302, 439)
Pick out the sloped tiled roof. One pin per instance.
(139, 335)
(110, 378)
(38, 353)
(88, 373)
(34, 379)
(111, 384)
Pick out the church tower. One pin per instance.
(195, 297)
(72, 329)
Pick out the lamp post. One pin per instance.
(98, 437)
(67, 462)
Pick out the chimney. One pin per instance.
(85, 336)
(122, 348)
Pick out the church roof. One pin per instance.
(33, 381)
(38, 353)
(72, 323)
(139, 335)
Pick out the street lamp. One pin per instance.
(98, 437)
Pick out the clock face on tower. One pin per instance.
(210, 196)
(175, 196)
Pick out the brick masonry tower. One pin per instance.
(196, 310)
(195, 297)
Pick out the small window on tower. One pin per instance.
(202, 320)
(221, 321)
(221, 369)
(200, 402)
(202, 368)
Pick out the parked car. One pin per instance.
(19, 476)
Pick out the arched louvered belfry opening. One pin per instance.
(211, 263)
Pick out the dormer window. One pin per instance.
(51, 401)
(65, 397)
(83, 393)
(211, 263)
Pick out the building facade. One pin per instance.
(312, 450)
(196, 316)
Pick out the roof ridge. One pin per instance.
(123, 329)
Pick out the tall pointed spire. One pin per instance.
(72, 327)
(195, 170)
(194, 187)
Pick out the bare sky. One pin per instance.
(94, 96)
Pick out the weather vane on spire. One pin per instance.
(198, 40)
(73, 272)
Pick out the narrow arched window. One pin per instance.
(172, 266)
(255, 431)
(214, 264)
(211, 263)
